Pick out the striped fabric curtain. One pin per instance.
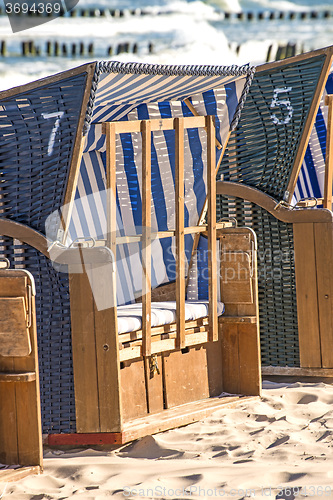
(310, 181)
(124, 95)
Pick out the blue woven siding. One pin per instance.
(34, 161)
(53, 336)
(36, 151)
(261, 153)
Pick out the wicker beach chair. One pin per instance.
(265, 153)
(58, 170)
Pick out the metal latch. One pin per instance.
(153, 366)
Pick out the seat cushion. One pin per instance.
(162, 313)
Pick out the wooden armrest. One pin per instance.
(25, 234)
(272, 206)
(17, 376)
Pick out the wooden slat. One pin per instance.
(107, 354)
(11, 475)
(14, 333)
(165, 345)
(306, 293)
(111, 184)
(157, 330)
(238, 319)
(293, 371)
(162, 234)
(146, 237)
(327, 203)
(160, 336)
(130, 353)
(154, 383)
(8, 418)
(84, 353)
(195, 113)
(28, 401)
(157, 124)
(133, 390)
(76, 158)
(67, 208)
(18, 377)
(180, 241)
(230, 359)
(106, 325)
(185, 376)
(249, 360)
(211, 194)
(324, 266)
(13, 285)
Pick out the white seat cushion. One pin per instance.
(162, 313)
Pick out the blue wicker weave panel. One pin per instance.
(261, 151)
(37, 134)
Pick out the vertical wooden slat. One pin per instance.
(67, 208)
(211, 193)
(249, 371)
(29, 426)
(106, 324)
(111, 185)
(329, 155)
(306, 294)
(180, 240)
(8, 417)
(230, 358)
(107, 353)
(84, 352)
(324, 265)
(146, 237)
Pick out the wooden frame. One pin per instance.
(146, 127)
(148, 364)
(20, 417)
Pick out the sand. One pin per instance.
(279, 447)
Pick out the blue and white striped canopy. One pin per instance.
(310, 181)
(139, 92)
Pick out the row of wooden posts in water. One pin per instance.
(241, 16)
(82, 49)
(70, 49)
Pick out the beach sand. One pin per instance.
(261, 449)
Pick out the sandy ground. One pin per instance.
(279, 447)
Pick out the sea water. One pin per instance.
(169, 32)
